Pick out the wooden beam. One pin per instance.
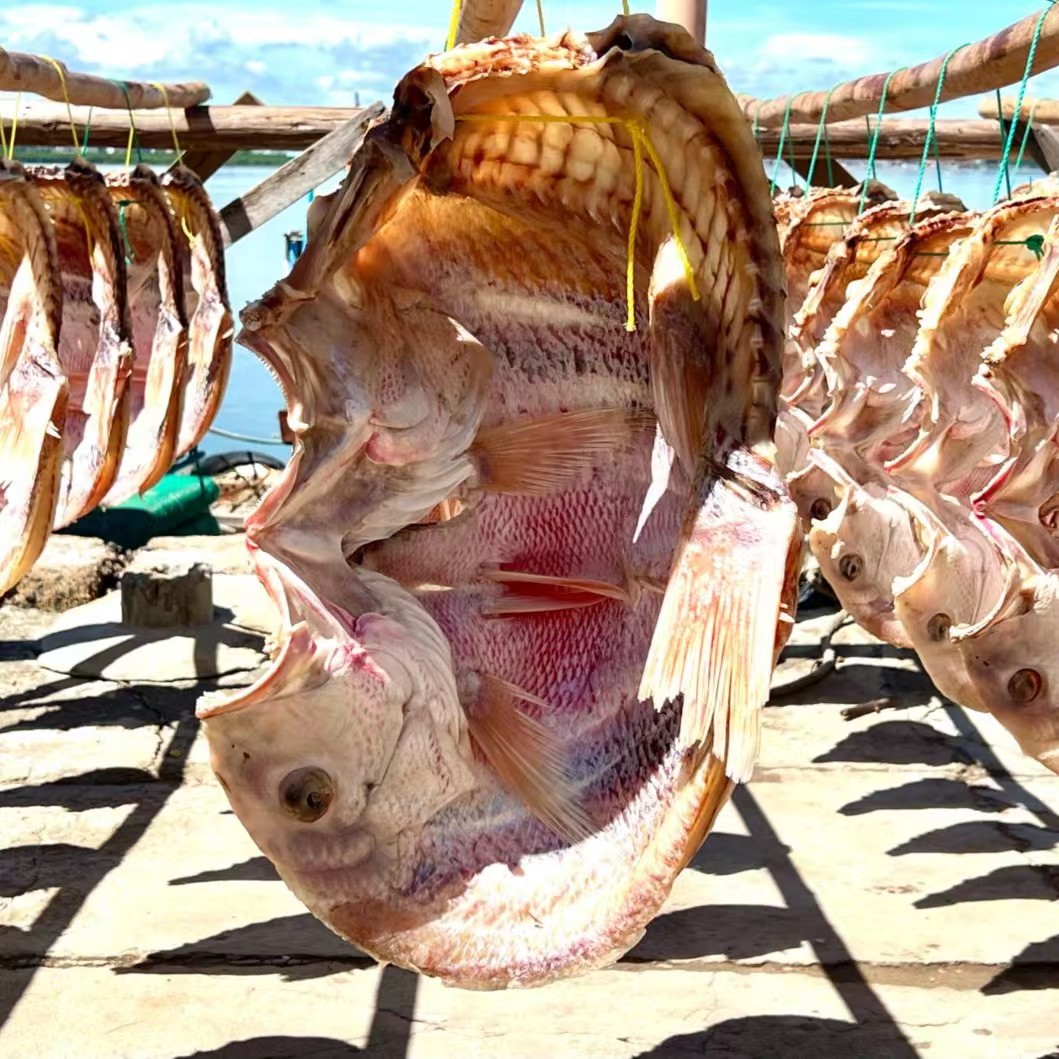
(298, 177)
(205, 161)
(900, 138)
(230, 128)
(20, 72)
(691, 14)
(995, 62)
(1044, 111)
(223, 128)
(486, 18)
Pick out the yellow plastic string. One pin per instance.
(89, 241)
(454, 25)
(187, 230)
(540, 15)
(634, 223)
(66, 99)
(625, 8)
(14, 127)
(642, 144)
(169, 114)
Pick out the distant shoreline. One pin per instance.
(152, 157)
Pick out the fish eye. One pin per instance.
(938, 627)
(820, 509)
(1025, 685)
(306, 794)
(850, 567)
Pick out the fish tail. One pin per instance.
(722, 619)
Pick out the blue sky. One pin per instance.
(313, 52)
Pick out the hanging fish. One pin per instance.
(533, 569)
(33, 389)
(150, 241)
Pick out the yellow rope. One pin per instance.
(625, 8)
(634, 223)
(187, 230)
(89, 241)
(454, 24)
(169, 113)
(66, 97)
(641, 143)
(14, 127)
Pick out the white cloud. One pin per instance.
(814, 47)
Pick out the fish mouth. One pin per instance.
(305, 620)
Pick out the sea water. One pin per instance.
(252, 402)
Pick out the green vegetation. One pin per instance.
(157, 158)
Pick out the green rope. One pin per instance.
(870, 173)
(1025, 138)
(937, 162)
(930, 132)
(122, 204)
(1018, 103)
(88, 128)
(783, 139)
(1003, 139)
(124, 86)
(820, 126)
(1035, 243)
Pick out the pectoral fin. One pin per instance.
(526, 756)
(538, 456)
(716, 637)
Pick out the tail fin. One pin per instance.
(715, 641)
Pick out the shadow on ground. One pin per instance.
(280, 1048)
(782, 1037)
(298, 947)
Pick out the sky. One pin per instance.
(302, 52)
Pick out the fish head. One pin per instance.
(1010, 658)
(956, 582)
(306, 755)
(861, 546)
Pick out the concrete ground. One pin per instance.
(886, 886)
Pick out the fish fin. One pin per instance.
(661, 466)
(716, 789)
(716, 634)
(683, 337)
(537, 593)
(526, 756)
(541, 455)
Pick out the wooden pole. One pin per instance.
(20, 72)
(221, 128)
(486, 18)
(1044, 111)
(298, 177)
(205, 161)
(899, 139)
(231, 128)
(991, 63)
(691, 14)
